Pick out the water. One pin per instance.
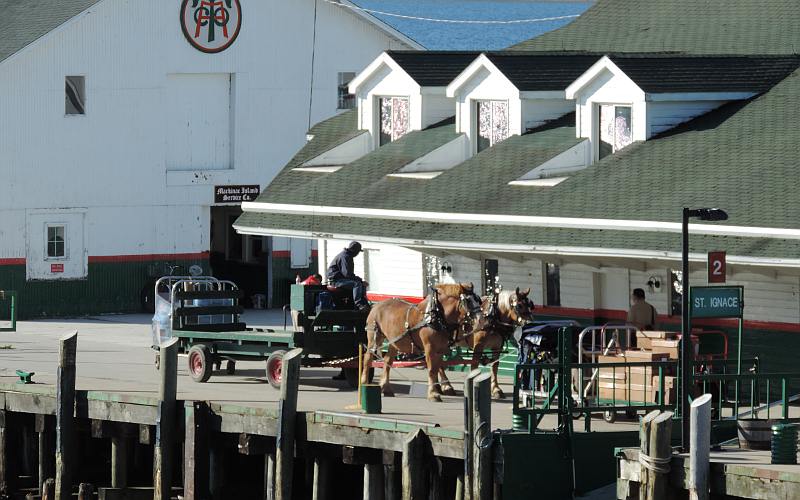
(447, 36)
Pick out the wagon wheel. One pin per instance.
(200, 363)
(275, 368)
(351, 375)
(610, 416)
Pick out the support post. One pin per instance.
(269, 476)
(482, 432)
(164, 452)
(65, 416)
(45, 427)
(195, 451)
(49, 489)
(85, 491)
(8, 473)
(415, 470)
(686, 334)
(468, 433)
(373, 481)
(120, 452)
(657, 430)
(321, 475)
(699, 447)
(392, 468)
(287, 408)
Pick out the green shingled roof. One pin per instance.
(26, 21)
(742, 157)
(683, 26)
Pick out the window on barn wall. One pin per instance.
(394, 119)
(345, 99)
(675, 292)
(492, 120)
(75, 95)
(614, 129)
(491, 278)
(552, 284)
(56, 245)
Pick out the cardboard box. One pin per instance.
(669, 394)
(640, 356)
(621, 394)
(644, 338)
(612, 374)
(672, 347)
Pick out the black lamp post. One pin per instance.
(707, 214)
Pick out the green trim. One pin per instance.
(11, 297)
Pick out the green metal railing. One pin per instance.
(757, 393)
(11, 296)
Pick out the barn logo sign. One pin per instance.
(211, 25)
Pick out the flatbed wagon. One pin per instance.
(204, 315)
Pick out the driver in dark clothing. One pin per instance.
(341, 274)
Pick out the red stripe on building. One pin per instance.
(94, 259)
(12, 262)
(281, 254)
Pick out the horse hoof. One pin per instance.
(435, 398)
(449, 391)
(498, 394)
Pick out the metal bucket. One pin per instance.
(756, 433)
(371, 398)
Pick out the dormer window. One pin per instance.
(492, 123)
(614, 132)
(394, 119)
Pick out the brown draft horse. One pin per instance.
(502, 314)
(425, 327)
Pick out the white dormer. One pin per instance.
(392, 103)
(610, 109)
(629, 98)
(495, 99)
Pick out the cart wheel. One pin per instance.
(230, 367)
(275, 368)
(200, 363)
(351, 375)
(610, 416)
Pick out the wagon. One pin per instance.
(204, 315)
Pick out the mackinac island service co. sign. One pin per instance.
(211, 25)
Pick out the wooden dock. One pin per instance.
(734, 473)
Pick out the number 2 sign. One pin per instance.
(716, 267)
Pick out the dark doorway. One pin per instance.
(236, 257)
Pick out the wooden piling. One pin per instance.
(49, 489)
(65, 416)
(699, 447)
(373, 482)
(7, 460)
(164, 452)
(321, 478)
(45, 429)
(468, 433)
(415, 467)
(195, 449)
(269, 476)
(85, 491)
(392, 467)
(287, 407)
(655, 453)
(482, 435)
(120, 451)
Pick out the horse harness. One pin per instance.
(433, 319)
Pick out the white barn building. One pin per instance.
(120, 119)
